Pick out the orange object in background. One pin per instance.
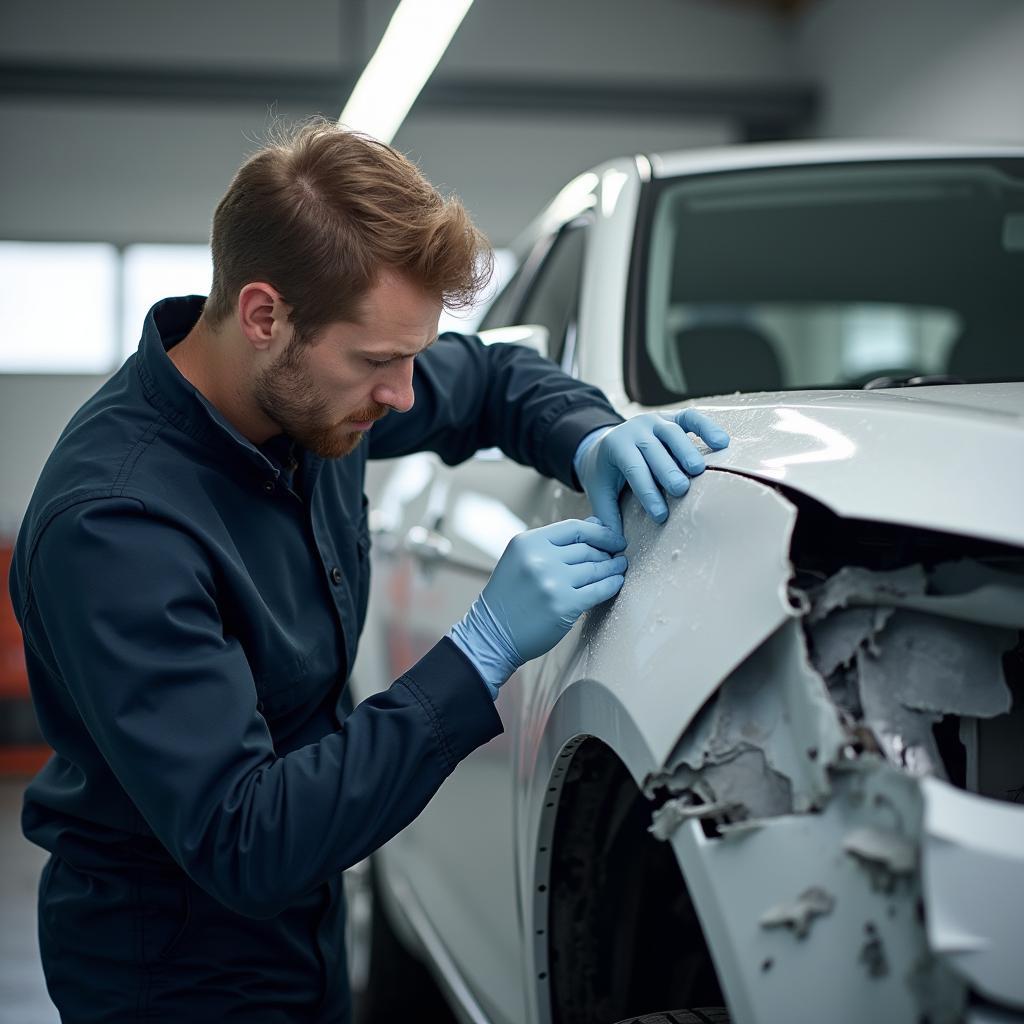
(13, 676)
(22, 751)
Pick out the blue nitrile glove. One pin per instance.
(546, 579)
(645, 451)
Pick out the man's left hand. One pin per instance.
(644, 452)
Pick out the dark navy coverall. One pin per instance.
(190, 619)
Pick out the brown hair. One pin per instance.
(320, 211)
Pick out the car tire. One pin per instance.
(388, 982)
(708, 1015)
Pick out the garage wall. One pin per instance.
(33, 411)
(931, 69)
(128, 170)
(654, 40)
(134, 170)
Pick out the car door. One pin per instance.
(449, 527)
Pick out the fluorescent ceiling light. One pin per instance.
(415, 40)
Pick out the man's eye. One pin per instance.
(380, 363)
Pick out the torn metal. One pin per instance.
(763, 743)
(831, 723)
(799, 915)
(885, 853)
(667, 818)
(872, 954)
(876, 661)
(901, 649)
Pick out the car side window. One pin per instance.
(553, 299)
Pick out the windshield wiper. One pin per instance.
(923, 380)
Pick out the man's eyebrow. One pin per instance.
(396, 354)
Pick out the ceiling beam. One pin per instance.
(762, 110)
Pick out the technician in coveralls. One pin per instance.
(191, 580)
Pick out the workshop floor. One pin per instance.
(23, 998)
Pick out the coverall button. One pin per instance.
(268, 486)
(259, 706)
(335, 575)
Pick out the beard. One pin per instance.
(287, 393)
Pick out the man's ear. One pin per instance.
(262, 315)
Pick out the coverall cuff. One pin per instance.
(455, 699)
(569, 430)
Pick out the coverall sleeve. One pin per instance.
(123, 612)
(471, 396)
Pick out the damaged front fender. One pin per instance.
(815, 769)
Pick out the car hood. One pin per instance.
(947, 458)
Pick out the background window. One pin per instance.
(151, 273)
(64, 319)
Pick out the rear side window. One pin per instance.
(554, 299)
(552, 291)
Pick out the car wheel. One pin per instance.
(388, 982)
(708, 1015)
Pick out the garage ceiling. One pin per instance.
(548, 89)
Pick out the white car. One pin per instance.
(780, 776)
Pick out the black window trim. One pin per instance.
(531, 268)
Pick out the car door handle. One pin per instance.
(427, 545)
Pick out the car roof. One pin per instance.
(795, 154)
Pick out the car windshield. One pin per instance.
(832, 276)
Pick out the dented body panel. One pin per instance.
(684, 591)
(864, 958)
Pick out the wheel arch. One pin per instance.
(590, 741)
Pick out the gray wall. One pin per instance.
(127, 170)
(33, 411)
(926, 69)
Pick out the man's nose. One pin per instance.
(396, 390)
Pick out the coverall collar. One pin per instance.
(167, 322)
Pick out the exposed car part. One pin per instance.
(709, 1015)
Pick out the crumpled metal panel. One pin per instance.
(774, 708)
(853, 949)
(964, 589)
(926, 668)
(901, 649)
(893, 652)
(973, 882)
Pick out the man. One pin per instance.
(191, 579)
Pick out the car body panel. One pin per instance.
(803, 154)
(715, 570)
(856, 959)
(975, 928)
(837, 447)
(707, 601)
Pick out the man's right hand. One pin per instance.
(545, 580)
